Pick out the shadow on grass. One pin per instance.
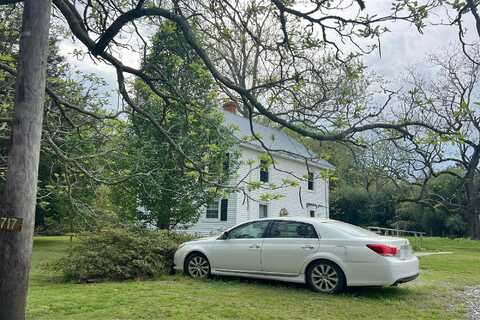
(373, 293)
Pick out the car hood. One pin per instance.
(204, 239)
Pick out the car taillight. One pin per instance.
(383, 249)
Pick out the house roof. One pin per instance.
(273, 139)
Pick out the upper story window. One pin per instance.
(292, 229)
(311, 182)
(263, 171)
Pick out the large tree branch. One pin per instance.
(124, 19)
(4, 2)
(61, 101)
(473, 8)
(76, 25)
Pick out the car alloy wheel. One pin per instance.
(326, 277)
(198, 266)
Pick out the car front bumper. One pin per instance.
(179, 258)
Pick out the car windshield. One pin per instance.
(351, 229)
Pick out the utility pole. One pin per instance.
(17, 210)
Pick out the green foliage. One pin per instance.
(456, 226)
(355, 205)
(119, 254)
(362, 193)
(422, 218)
(65, 198)
(68, 190)
(184, 175)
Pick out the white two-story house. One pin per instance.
(308, 198)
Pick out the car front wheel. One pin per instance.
(197, 266)
(326, 277)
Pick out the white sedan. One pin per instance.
(329, 255)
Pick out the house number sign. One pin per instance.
(11, 224)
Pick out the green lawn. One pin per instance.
(434, 295)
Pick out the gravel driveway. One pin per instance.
(472, 301)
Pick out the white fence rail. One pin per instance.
(417, 235)
(396, 232)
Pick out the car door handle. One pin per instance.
(308, 246)
(255, 246)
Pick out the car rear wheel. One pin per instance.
(197, 266)
(326, 277)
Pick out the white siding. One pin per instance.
(295, 199)
(207, 226)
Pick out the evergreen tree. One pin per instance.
(181, 180)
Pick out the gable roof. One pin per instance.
(274, 139)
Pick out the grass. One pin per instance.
(434, 295)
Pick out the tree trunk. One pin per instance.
(163, 222)
(474, 223)
(19, 198)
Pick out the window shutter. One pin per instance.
(310, 181)
(223, 210)
(263, 171)
(226, 164)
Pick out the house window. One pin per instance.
(310, 181)
(312, 213)
(263, 171)
(212, 209)
(218, 208)
(262, 210)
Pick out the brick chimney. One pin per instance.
(231, 106)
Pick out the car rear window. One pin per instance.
(352, 230)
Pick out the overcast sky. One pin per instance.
(401, 48)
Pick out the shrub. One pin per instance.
(456, 225)
(120, 255)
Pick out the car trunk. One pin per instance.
(403, 245)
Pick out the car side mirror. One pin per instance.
(223, 236)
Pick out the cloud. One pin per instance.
(404, 46)
(85, 64)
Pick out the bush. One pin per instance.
(120, 255)
(456, 226)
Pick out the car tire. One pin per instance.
(326, 277)
(197, 266)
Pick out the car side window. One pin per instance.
(292, 229)
(249, 231)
